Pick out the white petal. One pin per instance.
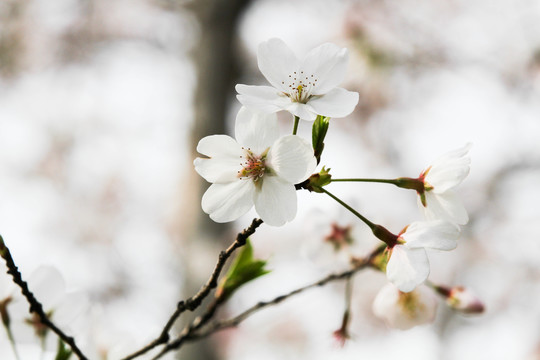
(435, 234)
(449, 170)
(276, 62)
(404, 311)
(221, 146)
(454, 154)
(218, 170)
(303, 111)
(407, 268)
(327, 63)
(291, 157)
(224, 161)
(71, 306)
(336, 103)
(263, 98)
(255, 130)
(445, 206)
(227, 202)
(275, 202)
(386, 301)
(48, 286)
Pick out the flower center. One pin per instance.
(300, 86)
(410, 305)
(340, 236)
(253, 166)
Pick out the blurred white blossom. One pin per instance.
(402, 310)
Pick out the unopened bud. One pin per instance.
(462, 299)
(341, 335)
(320, 128)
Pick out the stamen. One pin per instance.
(254, 166)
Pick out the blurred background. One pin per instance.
(101, 106)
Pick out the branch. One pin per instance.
(35, 306)
(195, 301)
(190, 334)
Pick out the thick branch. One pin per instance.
(35, 306)
(195, 301)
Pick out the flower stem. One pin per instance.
(402, 182)
(348, 294)
(12, 341)
(379, 231)
(371, 225)
(387, 181)
(295, 128)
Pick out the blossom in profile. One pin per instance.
(408, 264)
(437, 199)
(305, 88)
(258, 168)
(404, 310)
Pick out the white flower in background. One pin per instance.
(402, 310)
(258, 168)
(408, 265)
(305, 88)
(332, 237)
(438, 200)
(330, 247)
(48, 286)
(64, 307)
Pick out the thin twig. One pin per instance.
(224, 324)
(195, 301)
(35, 306)
(190, 334)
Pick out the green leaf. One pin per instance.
(63, 353)
(319, 130)
(243, 270)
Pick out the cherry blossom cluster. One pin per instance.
(262, 168)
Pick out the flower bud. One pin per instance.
(320, 127)
(462, 299)
(341, 335)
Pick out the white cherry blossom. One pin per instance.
(305, 88)
(438, 200)
(408, 265)
(403, 310)
(258, 168)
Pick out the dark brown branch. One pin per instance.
(195, 301)
(35, 306)
(190, 334)
(233, 322)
